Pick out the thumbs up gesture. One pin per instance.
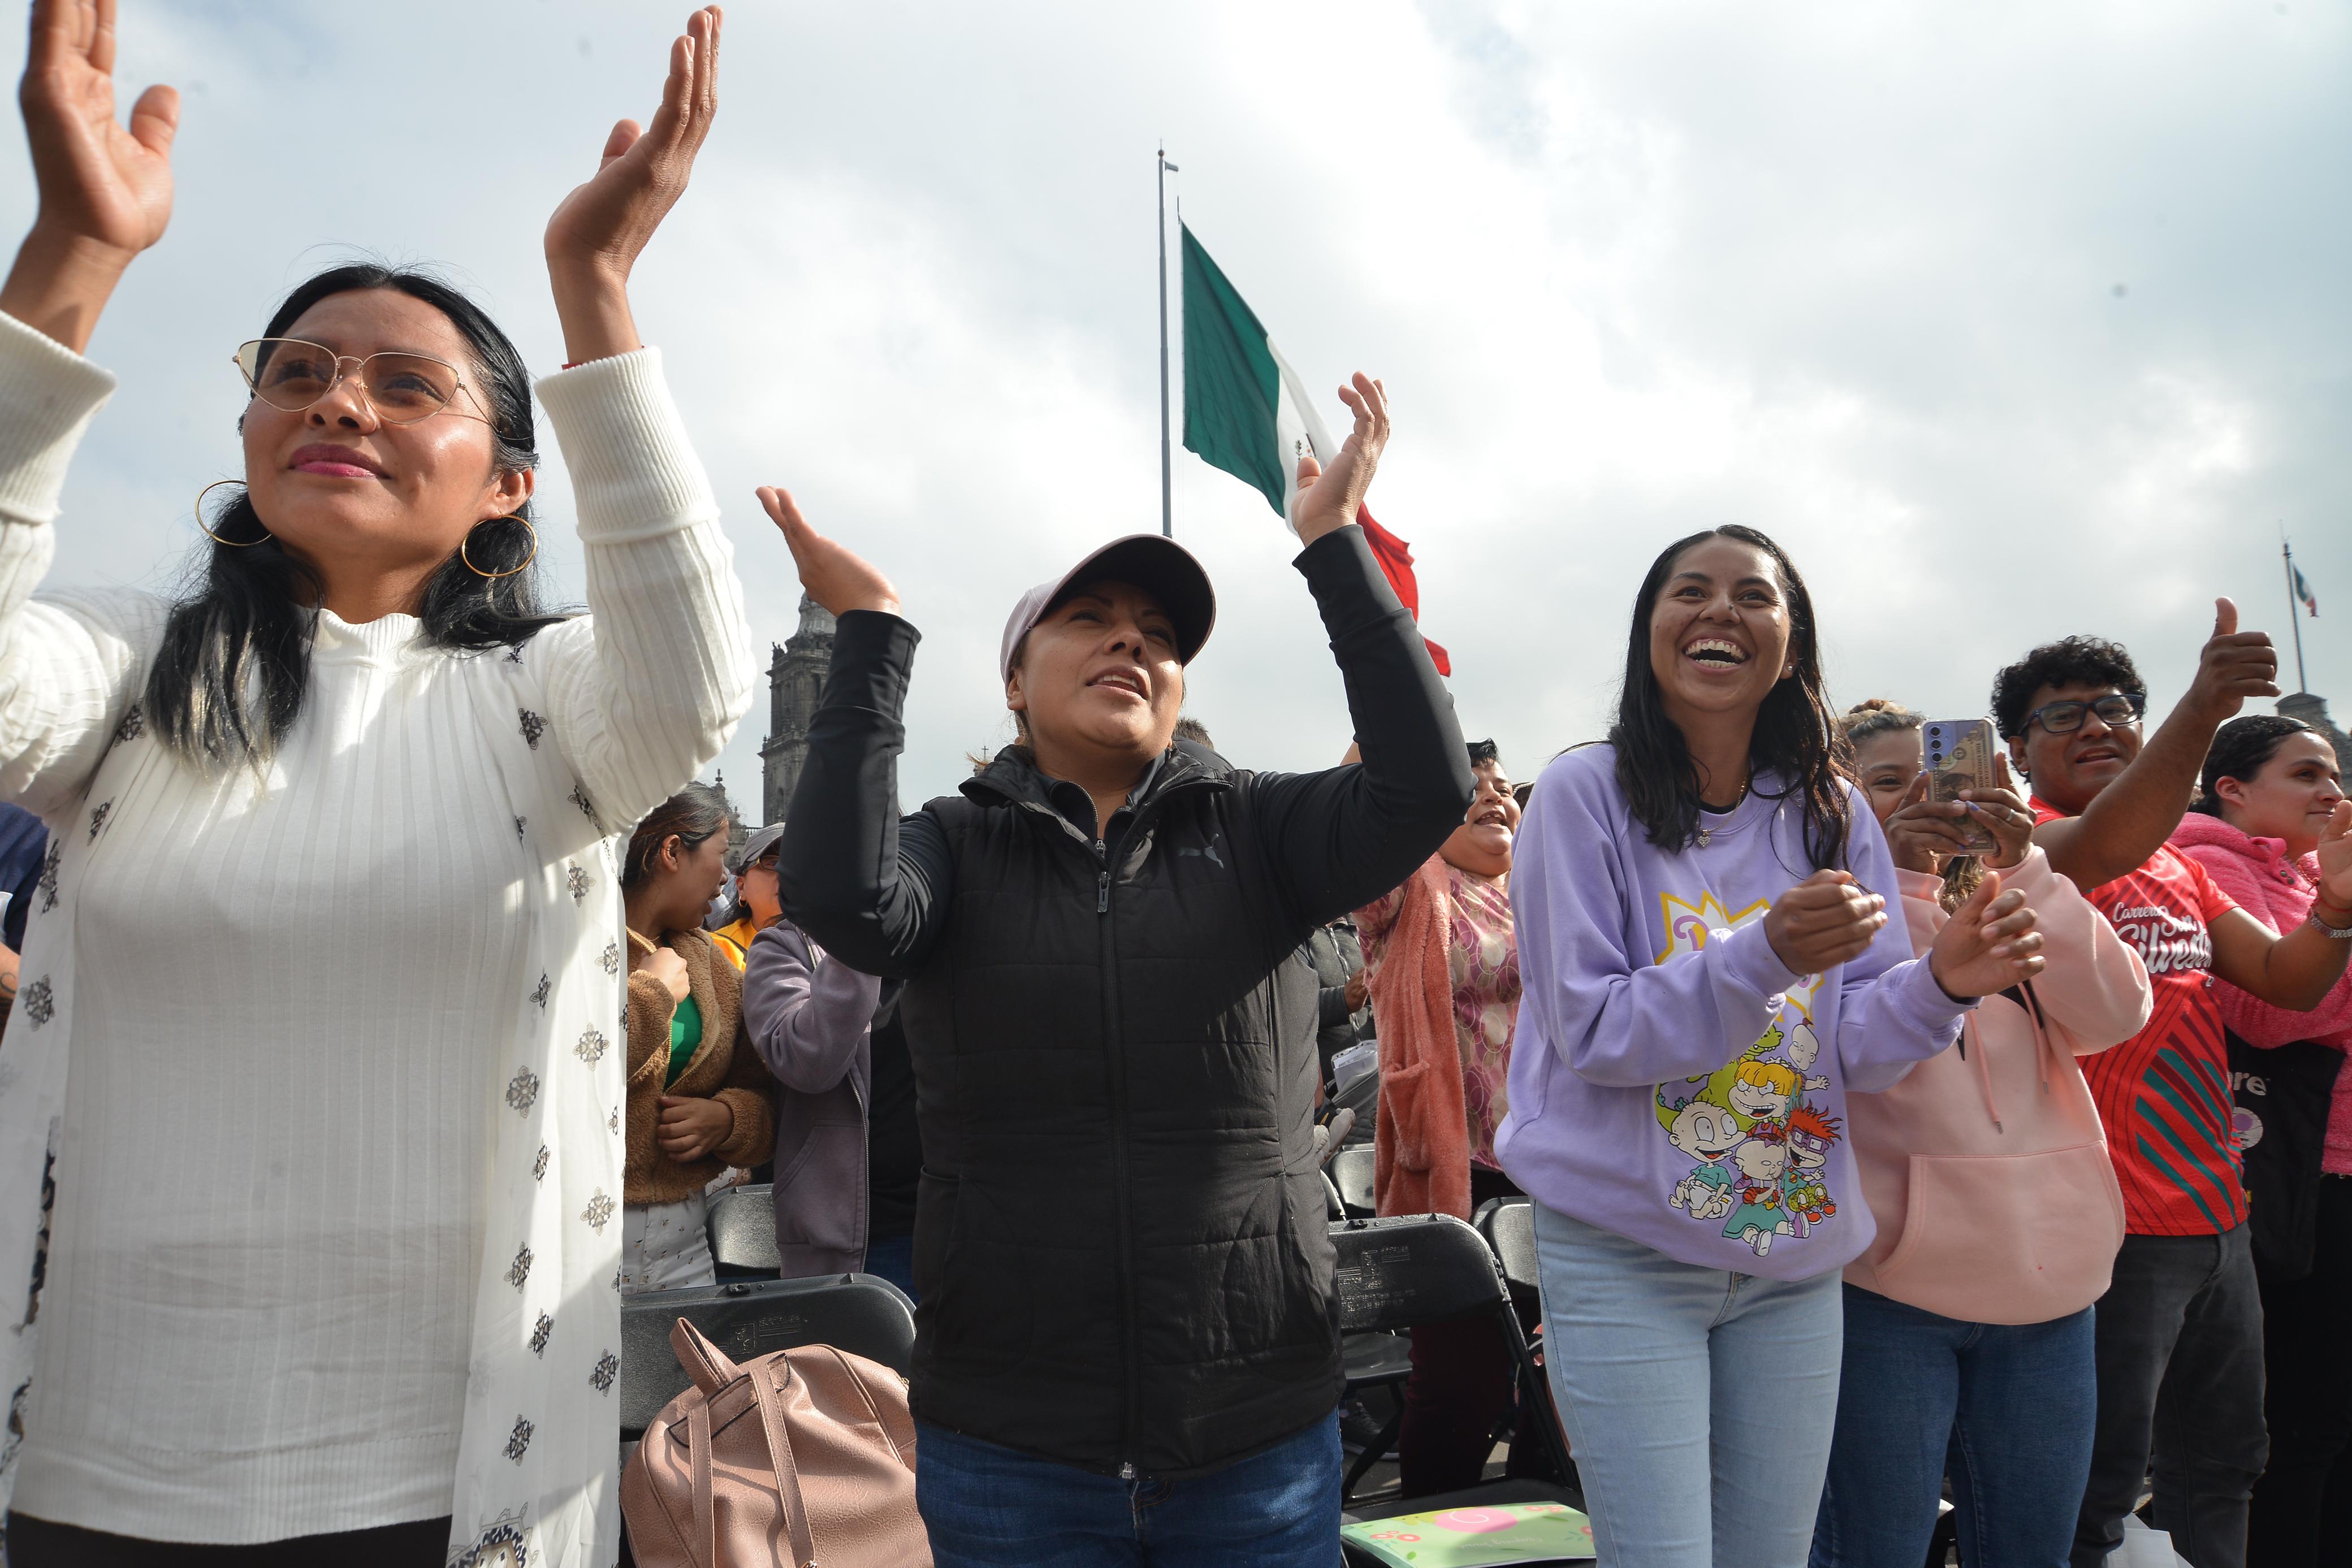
(2235, 666)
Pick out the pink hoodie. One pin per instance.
(1986, 1168)
(2278, 892)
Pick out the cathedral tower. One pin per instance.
(795, 680)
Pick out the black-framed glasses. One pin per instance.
(2116, 710)
(291, 373)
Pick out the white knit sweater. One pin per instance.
(323, 1255)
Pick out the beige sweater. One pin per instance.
(724, 1068)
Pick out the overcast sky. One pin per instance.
(2007, 321)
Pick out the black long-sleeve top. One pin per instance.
(874, 887)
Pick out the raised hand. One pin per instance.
(2335, 856)
(1822, 920)
(106, 189)
(2235, 665)
(601, 227)
(834, 577)
(1327, 501)
(1987, 945)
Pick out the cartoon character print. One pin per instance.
(1764, 1090)
(1759, 1150)
(1705, 1131)
(1761, 1212)
(1804, 1049)
(1809, 1134)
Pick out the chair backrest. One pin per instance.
(746, 1318)
(1508, 1224)
(1351, 1172)
(1421, 1269)
(743, 1232)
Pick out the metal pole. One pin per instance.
(1167, 489)
(2295, 620)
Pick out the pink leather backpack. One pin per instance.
(800, 1457)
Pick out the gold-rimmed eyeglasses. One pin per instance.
(290, 373)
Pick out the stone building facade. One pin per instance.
(797, 673)
(2312, 708)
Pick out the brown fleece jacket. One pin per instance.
(724, 1068)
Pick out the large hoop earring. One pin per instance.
(233, 543)
(478, 572)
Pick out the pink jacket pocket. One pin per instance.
(2007, 1238)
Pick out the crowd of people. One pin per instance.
(389, 1007)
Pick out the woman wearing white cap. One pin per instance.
(1127, 1350)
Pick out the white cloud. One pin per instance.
(1843, 272)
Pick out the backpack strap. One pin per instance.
(698, 1456)
(766, 1388)
(704, 1362)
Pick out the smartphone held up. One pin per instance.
(1960, 753)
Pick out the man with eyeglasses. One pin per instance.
(2179, 1347)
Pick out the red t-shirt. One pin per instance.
(2164, 1094)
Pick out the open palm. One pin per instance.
(2335, 854)
(98, 180)
(608, 220)
(1327, 499)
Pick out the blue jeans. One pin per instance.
(892, 1258)
(1699, 1402)
(991, 1507)
(2009, 1407)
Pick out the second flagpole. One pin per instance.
(1166, 490)
(2286, 551)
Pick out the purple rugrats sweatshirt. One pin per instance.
(1671, 1080)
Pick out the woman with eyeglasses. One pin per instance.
(2179, 1328)
(320, 1046)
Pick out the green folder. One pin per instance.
(1474, 1537)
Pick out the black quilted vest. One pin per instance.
(1120, 1240)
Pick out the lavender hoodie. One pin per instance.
(1671, 1080)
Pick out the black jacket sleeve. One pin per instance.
(1340, 838)
(871, 889)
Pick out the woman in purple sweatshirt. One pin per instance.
(1707, 968)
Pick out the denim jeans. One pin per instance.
(892, 1258)
(991, 1507)
(1699, 1402)
(2181, 1383)
(2007, 1408)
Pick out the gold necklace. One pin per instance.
(1706, 835)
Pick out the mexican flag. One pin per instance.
(1247, 413)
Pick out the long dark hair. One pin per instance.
(2242, 748)
(229, 680)
(1796, 732)
(692, 815)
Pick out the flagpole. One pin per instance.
(2293, 604)
(1167, 489)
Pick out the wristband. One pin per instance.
(2327, 930)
